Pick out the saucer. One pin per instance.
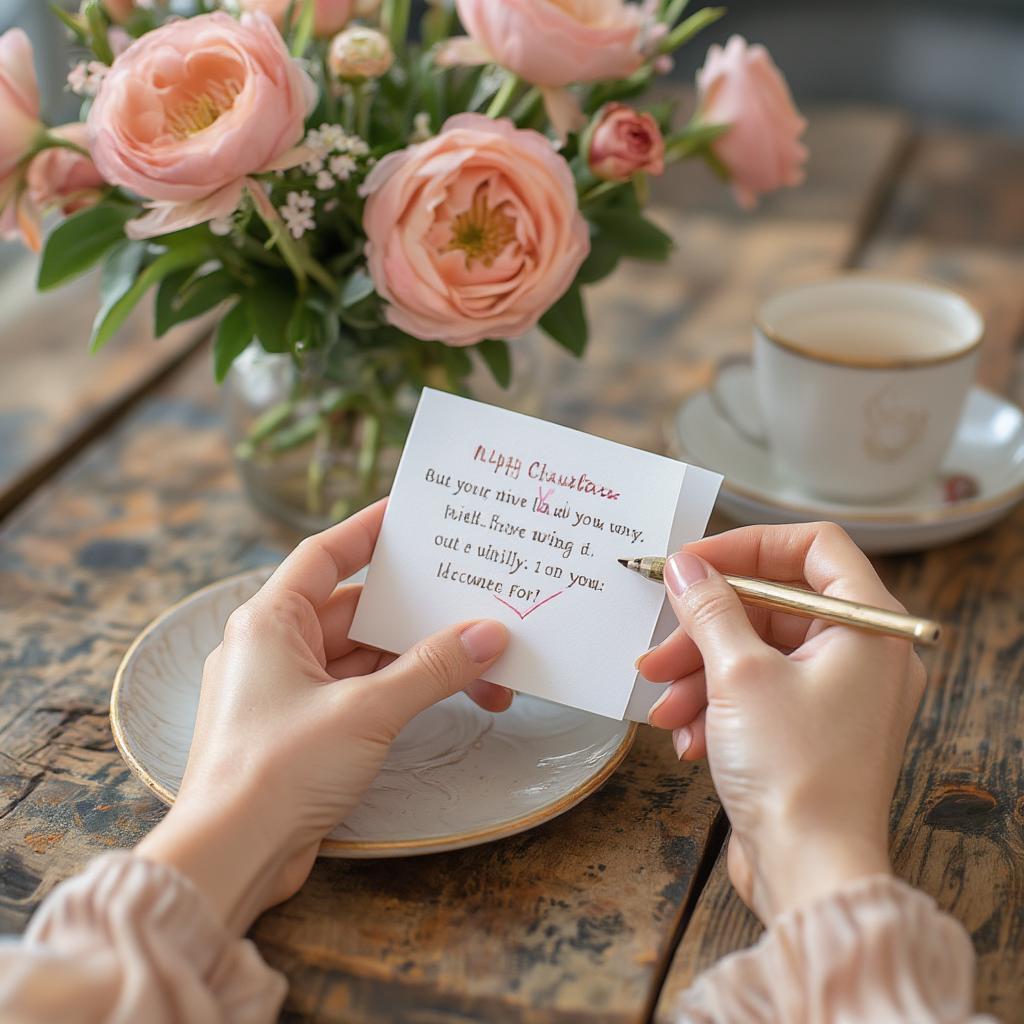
(457, 776)
(981, 479)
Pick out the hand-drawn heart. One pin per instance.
(532, 608)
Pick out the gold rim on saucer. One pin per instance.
(362, 846)
(959, 510)
(778, 338)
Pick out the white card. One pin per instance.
(498, 515)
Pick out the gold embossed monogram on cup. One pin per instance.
(861, 382)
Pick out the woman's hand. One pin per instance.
(295, 720)
(804, 747)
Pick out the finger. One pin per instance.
(681, 702)
(336, 620)
(363, 661)
(710, 612)
(820, 553)
(316, 567)
(490, 696)
(438, 667)
(690, 741)
(677, 655)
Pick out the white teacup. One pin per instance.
(861, 382)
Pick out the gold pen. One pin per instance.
(806, 603)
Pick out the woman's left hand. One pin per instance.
(295, 721)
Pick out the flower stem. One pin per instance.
(503, 97)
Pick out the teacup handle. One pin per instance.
(753, 429)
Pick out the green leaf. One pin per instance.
(120, 272)
(97, 23)
(603, 259)
(635, 236)
(694, 138)
(269, 305)
(123, 290)
(303, 26)
(686, 30)
(232, 339)
(359, 286)
(566, 322)
(71, 22)
(182, 297)
(80, 242)
(496, 355)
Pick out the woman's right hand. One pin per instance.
(804, 747)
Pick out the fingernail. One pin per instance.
(657, 704)
(484, 640)
(636, 664)
(681, 740)
(682, 570)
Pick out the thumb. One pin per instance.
(709, 610)
(439, 666)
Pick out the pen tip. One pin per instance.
(624, 561)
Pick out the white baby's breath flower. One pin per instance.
(221, 226)
(314, 166)
(342, 166)
(421, 130)
(334, 138)
(298, 214)
(357, 146)
(85, 78)
(325, 181)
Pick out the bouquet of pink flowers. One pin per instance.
(382, 210)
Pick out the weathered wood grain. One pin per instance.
(958, 817)
(54, 395)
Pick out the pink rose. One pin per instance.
(741, 86)
(193, 108)
(119, 10)
(551, 44)
(62, 177)
(330, 17)
(625, 142)
(19, 128)
(474, 233)
(554, 43)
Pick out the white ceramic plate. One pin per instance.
(456, 777)
(988, 450)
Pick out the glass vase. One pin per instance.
(311, 453)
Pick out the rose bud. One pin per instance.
(360, 52)
(623, 142)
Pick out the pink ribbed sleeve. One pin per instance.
(877, 951)
(132, 941)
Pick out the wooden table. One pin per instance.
(119, 498)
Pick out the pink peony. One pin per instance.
(193, 108)
(741, 86)
(331, 15)
(119, 10)
(625, 142)
(19, 128)
(551, 44)
(474, 233)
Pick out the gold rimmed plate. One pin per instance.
(457, 776)
(981, 480)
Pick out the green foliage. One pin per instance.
(566, 322)
(634, 235)
(234, 333)
(498, 360)
(81, 241)
(184, 295)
